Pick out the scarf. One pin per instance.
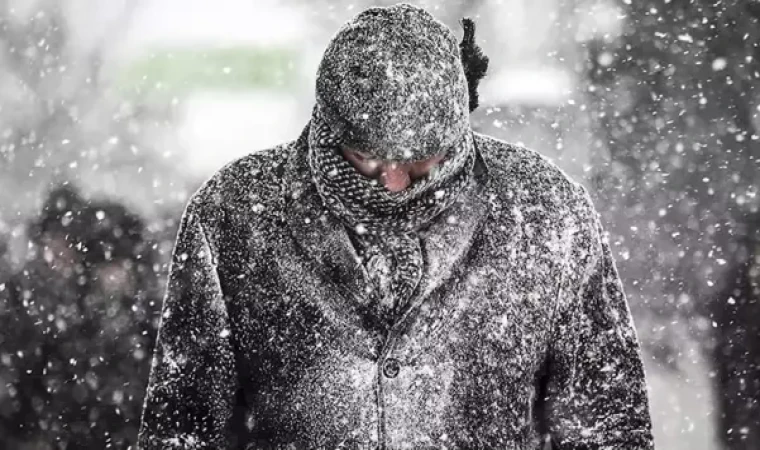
(385, 225)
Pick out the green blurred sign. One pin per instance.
(187, 69)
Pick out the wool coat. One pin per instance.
(518, 332)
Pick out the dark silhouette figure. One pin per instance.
(78, 325)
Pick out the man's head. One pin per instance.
(393, 85)
(394, 92)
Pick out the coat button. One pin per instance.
(391, 367)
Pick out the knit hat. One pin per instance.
(392, 84)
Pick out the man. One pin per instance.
(393, 279)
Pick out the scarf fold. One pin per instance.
(384, 225)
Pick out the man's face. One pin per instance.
(394, 175)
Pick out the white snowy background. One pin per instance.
(184, 86)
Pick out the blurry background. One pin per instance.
(113, 112)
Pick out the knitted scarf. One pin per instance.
(385, 224)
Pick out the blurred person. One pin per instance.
(393, 279)
(79, 321)
(34, 304)
(122, 301)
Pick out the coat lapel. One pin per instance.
(322, 242)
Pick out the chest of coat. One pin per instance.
(320, 369)
(492, 311)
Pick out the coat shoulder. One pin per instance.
(249, 184)
(523, 177)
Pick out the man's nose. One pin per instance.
(395, 177)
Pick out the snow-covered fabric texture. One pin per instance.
(518, 328)
(363, 203)
(391, 82)
(385, 224)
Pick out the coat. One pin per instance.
(518, 332)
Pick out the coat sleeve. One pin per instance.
(596, 395)
(190, 394)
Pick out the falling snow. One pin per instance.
(492, 304)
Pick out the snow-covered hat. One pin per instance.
(393, 85)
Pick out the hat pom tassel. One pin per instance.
(474, 61)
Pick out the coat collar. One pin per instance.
(321, 240)
(325, 242)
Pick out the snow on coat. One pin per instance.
(519, 328)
